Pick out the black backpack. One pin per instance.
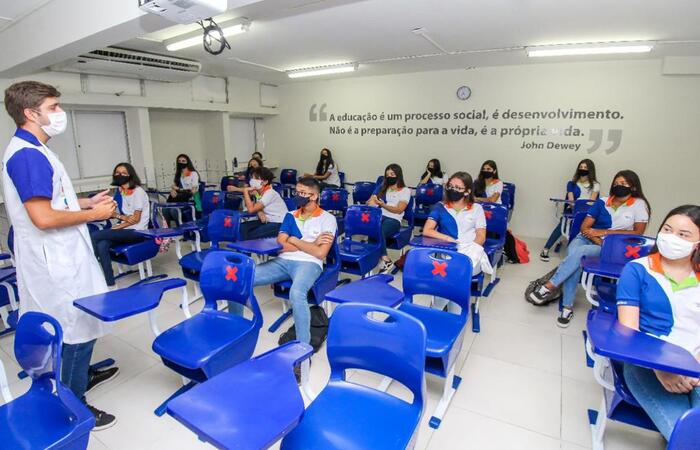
(319, 329)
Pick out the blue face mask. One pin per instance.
(301, 201)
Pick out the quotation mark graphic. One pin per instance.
(596, 136)
(321, 116)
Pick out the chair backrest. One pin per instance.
(223, 226)
(378, 183)
(212, 200)
(341, 175)
(289, 201)
(232, 200)
(288, 176)
(442, 273)
(334, 200)
(583, 206)
(685, 434)
(229, 276)
(393, 347)
(496, 220)
(510, 189)
(362, 191)
(277, 187)
(228, 180)
(576, 223)
(38, 350)
(363, 220)
(409, 212)
(622, 248)
(428, 194)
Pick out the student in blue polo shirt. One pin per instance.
(458, 219)
(660, 295)
(625, 211)
(306, 237)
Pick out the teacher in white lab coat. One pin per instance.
(53, 252)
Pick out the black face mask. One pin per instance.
(486, 174)
(390, 181)
(181, 166)
(119, 180)
(454, 196)
(620, 191)
(301, 201)
(583, 172)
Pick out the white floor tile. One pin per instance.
(574, 359)
(577, 397)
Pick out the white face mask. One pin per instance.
(58, 122)
(255, 183)
(672, 247)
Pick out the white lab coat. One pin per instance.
(475, 252)
(55, 266)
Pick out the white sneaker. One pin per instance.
(387, 267)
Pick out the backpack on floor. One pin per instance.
(536, 284)
(319, 329)
(522, 251)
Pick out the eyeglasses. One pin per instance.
(456, 188)
(303, 194)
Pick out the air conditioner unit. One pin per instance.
(184, 11)
(117, 62)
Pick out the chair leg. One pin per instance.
(4, 385)
(476, 325)
(142, 272)
(450, 386)
(305, 386)
(160, 410)
(185, 304)
(178, 248)
(152, 322)
(149, 268)
(598, 420)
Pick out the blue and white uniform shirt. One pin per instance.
(460, 224)
(607, 217)
(307, 230)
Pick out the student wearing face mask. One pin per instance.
(583, 186)
(660, 295)
(458, 219)
(433, 173)
(133, 214)
(326, 171)
(185, 188)
(488, 187)
(392, 196)
(625, 211)
(264, 201)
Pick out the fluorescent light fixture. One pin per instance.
(603, 48)
(324, 70)
(196, 39)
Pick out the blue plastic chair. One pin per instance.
(496, 230)
(571, 225)
(400, 239)
(610, 344)
(42, 419)
(427, 195)
(508, 198)
(362, 191)
(9, 296)
(288, 178)
(341, 175)
(443, 274)
(350, 416)
(212, 341)
(277, 187)
(359, 257)
(326, 282)
(211, 201)
(335, 201)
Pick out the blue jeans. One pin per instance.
(75, 366)
(554, 237)
(569, 271)
(103, 240)
(257, 230)
(663, 407)
(303, 275)
(389, 228)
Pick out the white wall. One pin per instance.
(659, 138)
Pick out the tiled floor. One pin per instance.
(525, 383)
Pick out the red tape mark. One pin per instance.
(429, 192)
(231, 273)
(365, 217)
(227, 222)
(335, 197)
(215, 199)
(632, 251)
(488, 214)
(439, 269)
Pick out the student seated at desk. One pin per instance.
(306, 237)
(268, 205)
(392, 196)
(660, 295)
(626, 211)
(488, 187)
(185, 188)
(433, 173)
(244, 178)
(326, 171)
(458, 219)
(134, 214)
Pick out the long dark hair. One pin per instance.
(635, 184)
(591, 173)
(134, 179)
(399, 178)
(480, 184)
(324, 164)
(468, 184)
(693, 213)
(437, 169)
(178, 170)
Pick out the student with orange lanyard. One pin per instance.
(625, 211)
(488, 187)
(268, 205)
(660, 295)
(392, 197)
(458, 219)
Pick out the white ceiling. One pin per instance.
(14, 10)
